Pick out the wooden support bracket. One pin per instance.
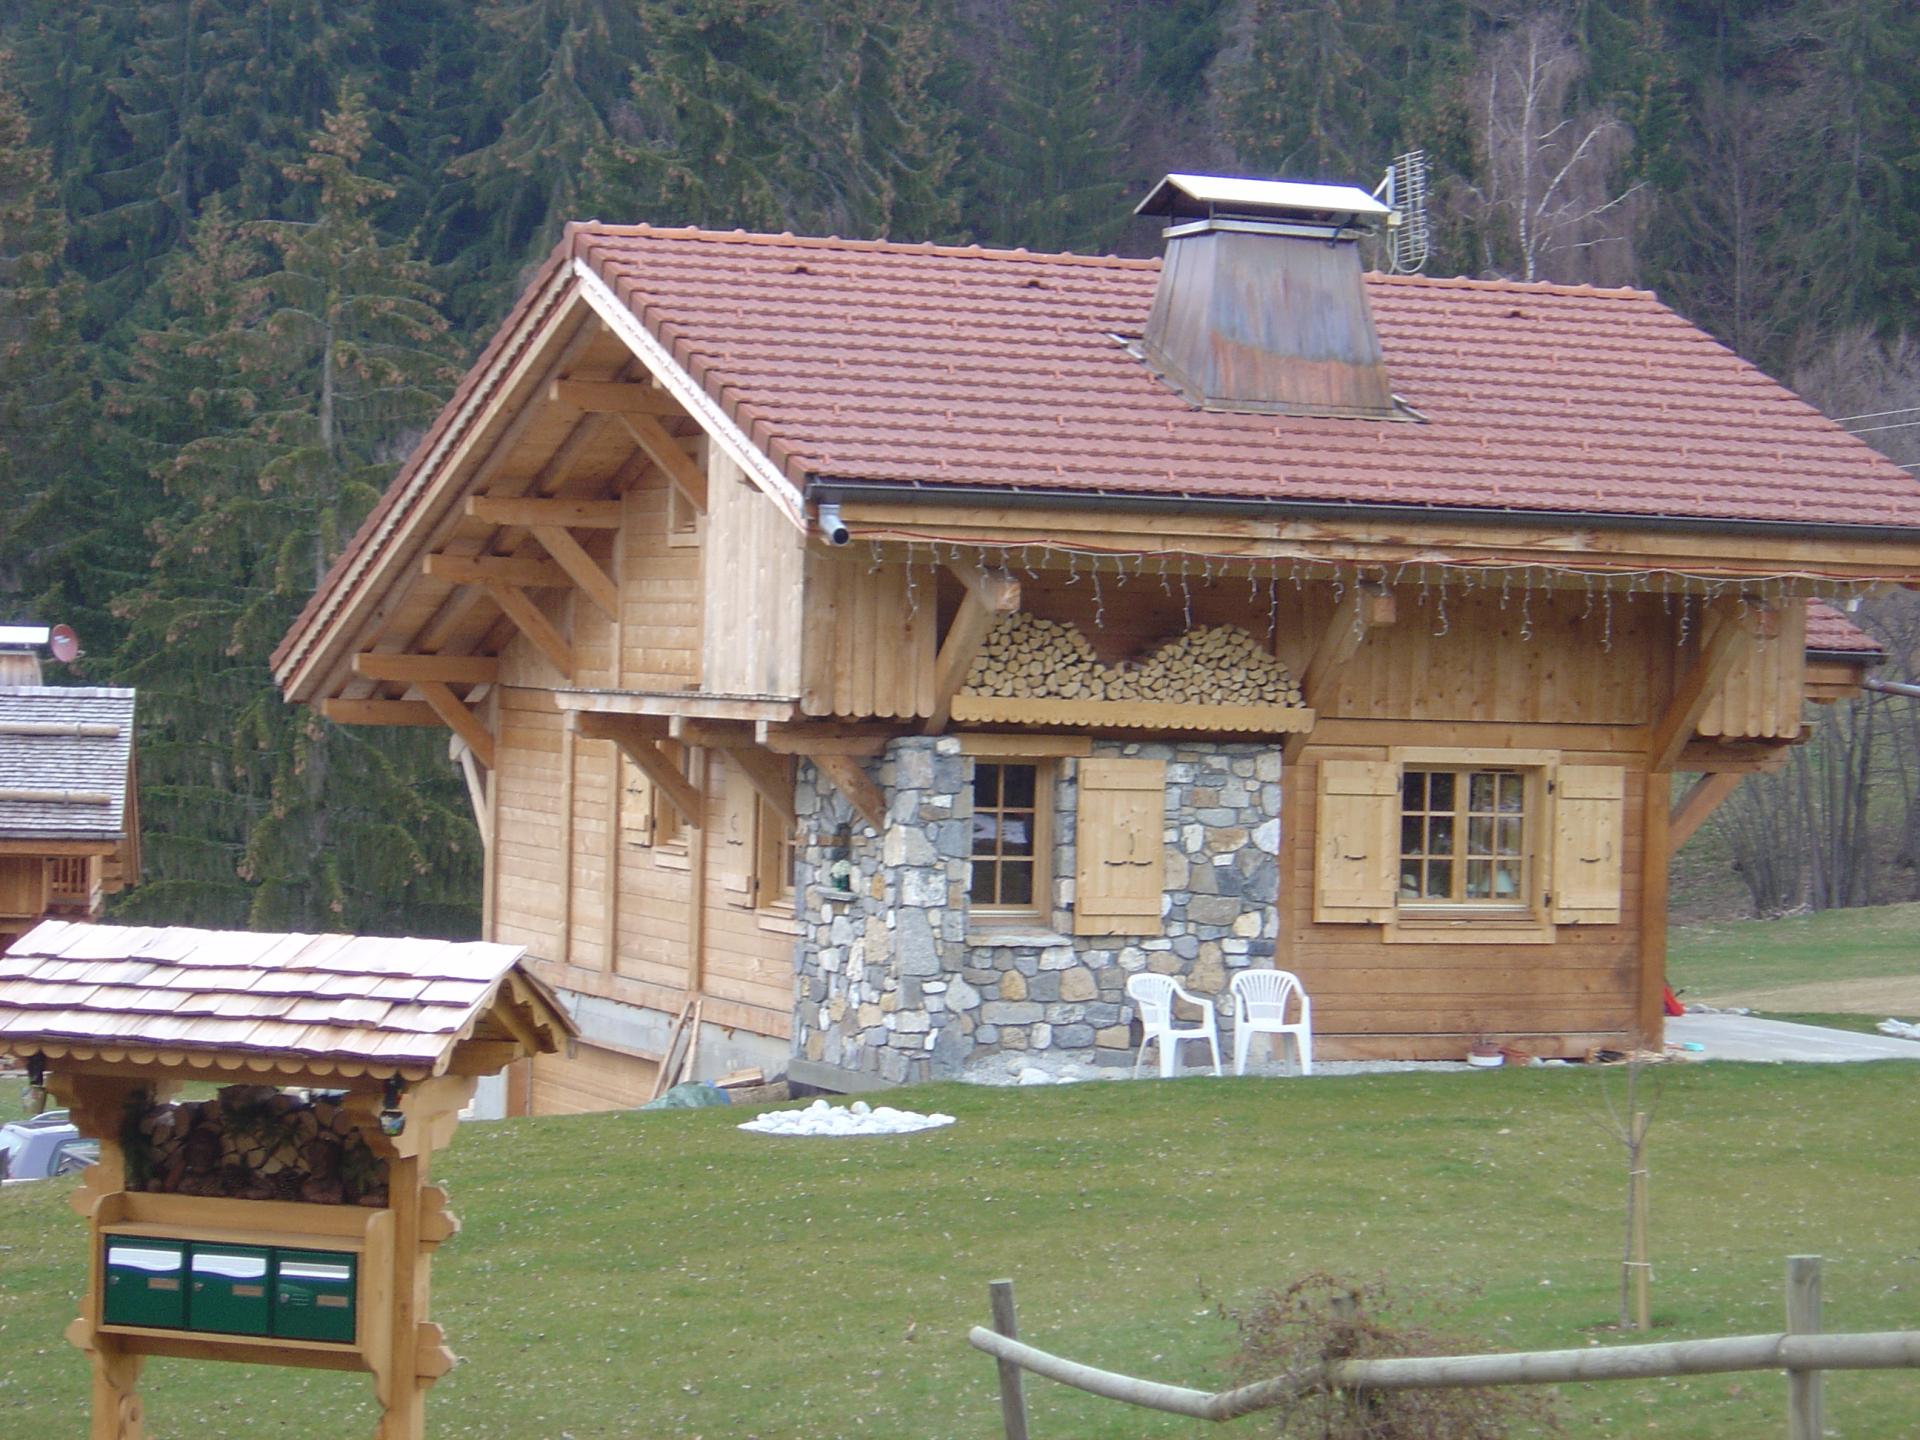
(1700, 801)
(1729, 638)
(1365, 607)
(448, 669)
(821, 740)
(769, 774)
(571, 514)
(459, 719)
(854, 783)
(638, 737)
(666, 452)
(581, 567)
(534, 624)
(989, 596)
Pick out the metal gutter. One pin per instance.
(833, 489)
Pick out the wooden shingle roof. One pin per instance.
(65, 753)
(338, 1004)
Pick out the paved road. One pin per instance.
(1743, 1037)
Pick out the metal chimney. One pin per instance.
(1261, 307)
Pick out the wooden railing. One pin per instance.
(1802, 1351)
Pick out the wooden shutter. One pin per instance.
(731, 844)
(1122, 850)
(1588, 824)
(1358, 841)
(636, 804)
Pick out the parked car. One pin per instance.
(44, 1146)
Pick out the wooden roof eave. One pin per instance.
(1364, 540)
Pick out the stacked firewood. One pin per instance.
(1026, 657)
(255, 1143)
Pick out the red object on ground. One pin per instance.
(1674, 1007)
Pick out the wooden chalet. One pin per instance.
(865, 655)
(69, 811)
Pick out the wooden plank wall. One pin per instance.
(751, 643)
(1366, 992)
(1765, 690)
(597, 1077)
(868, 636)
(604, 907)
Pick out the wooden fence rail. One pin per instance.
(1800, 1351)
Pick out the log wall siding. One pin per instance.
(1763, 693)
(868, 636)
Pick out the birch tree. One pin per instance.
(1548, 200)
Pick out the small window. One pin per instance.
(1010, 822)
(1464, 837)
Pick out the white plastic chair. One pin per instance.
(1154, 995)
(1260, 999)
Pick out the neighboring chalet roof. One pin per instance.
(343, 1004)
(65, 757)
(975, 372)
(1832, 636)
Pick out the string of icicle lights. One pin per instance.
(1267, 578)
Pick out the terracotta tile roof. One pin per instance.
(1831, 633)
(65, 752)
(347, 1001)
(875, 361)
(865, 360)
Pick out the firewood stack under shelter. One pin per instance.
(1028, 657)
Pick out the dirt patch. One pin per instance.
(1898, 997)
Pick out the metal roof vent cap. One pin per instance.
(1261, 307)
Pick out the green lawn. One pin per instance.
(665, 1275)
(1865, 944)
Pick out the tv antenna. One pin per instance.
(1404, 188)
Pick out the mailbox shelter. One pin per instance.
(289, 1220)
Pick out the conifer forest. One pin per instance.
(248, 246)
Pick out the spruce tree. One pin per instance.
(302, 353)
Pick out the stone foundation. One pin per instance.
(894, 979)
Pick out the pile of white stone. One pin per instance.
(1902, 1029)
(859, 1118)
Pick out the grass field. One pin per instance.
(665, 1275)
(1726, 958)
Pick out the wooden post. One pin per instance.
(1806, 1402)
(1013, 1386)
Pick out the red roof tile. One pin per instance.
(865, 360)
(1830, 632)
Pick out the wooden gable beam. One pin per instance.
(665, 451)
(459, 719)
(820, 740)
(1364, 607)
(534, 624)
(379, 712)
(1703, 797)
(447, 669)
(551, 510)
(613, 397)
(496, 570)
(854, 783)
(638, 737)
(990, 594)
(1729, 640)
(581, 567)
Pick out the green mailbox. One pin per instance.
(144, 1283)
(313, 1295)
(228, 1289)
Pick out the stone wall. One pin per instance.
(892, 979)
